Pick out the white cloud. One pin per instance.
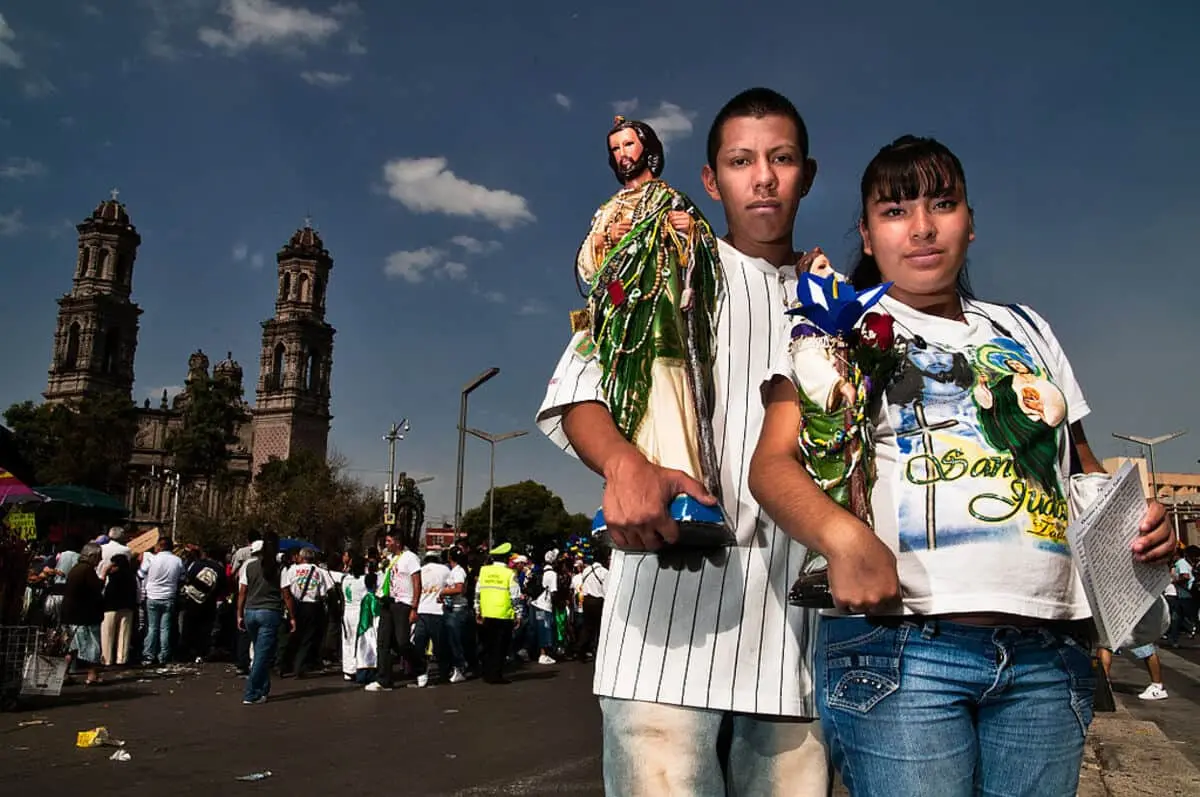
(325, 79)
(414, 265)
(267, 23)
(67, 121)
(39, 86)
(344, 9)
(11, 224)
(563, 100)
(475, 246)
(670, 121)
(63, 228)
(356, 47)
(495, 297)
(257, 260)
(20, 168)
(240, 252)
(425, 185)
(91, 10)
(9, 56)
(531, 307)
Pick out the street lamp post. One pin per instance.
(395, 433)
(462, 440)
(491, 440)
(1149, 443)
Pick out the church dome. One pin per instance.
(228, 369)
(306, 238)
(111, 211)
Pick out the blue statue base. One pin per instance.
(700, 525)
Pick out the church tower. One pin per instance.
(96, 336)
(291, 411)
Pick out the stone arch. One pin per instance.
(85, 257)
(102, 256)
(302, 286)
(285, 286)
(314, 372)
(71, 356)
(120, 267)
(110, 363)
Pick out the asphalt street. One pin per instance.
(187, 733)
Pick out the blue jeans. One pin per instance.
(544, 621)
(263, 627)
(160, 617)
(932, 707)
(677, 751)
(456, 623)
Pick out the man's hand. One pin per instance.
(680, 220)
(637, 495)
(862, 571)
(412, 617)
(479, 619)
(619, 230)
(1155, 542)
(292, 624)
(241, 623)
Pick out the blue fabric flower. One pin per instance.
(834, 307)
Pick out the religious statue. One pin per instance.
(653, 275)
(842, 357)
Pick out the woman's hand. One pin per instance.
(863, 578)
(1155, 542)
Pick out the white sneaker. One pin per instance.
(456, 677)
(422, 682)
(1153, 692)
(375, 686)
(544, 659)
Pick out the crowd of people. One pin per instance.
(295, 612)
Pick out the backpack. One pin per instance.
(535, 585)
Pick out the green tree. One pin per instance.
(212, 411)
(527, 514)
(307, 497)
(87, 442)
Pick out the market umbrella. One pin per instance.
(15, 491)
(85, 497)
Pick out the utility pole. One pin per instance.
(492, 439)
(394, 434)
(462, 440)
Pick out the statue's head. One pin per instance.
(633, 148)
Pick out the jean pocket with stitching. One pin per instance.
(862, 663)
(1078, 662)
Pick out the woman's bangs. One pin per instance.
(903, 175)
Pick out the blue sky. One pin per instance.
(450, 156)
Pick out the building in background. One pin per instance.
(1179, 492)
(96, 338)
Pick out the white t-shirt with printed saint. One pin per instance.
(972, 455)
(308, 582)
(549, 587)
(434, 577)
(721, 635)
(457, 576)
(402, 566)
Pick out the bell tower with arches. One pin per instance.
(96, 336)
(291, 411)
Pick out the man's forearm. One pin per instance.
(594, 435)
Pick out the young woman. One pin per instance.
(958, 659)
(261, 601)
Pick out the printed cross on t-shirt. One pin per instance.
(932, 467)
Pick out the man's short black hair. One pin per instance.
(756, 102)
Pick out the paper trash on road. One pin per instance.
(97, 737)
(120, 755)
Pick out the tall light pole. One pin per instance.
(395, 433)
(1149, 443)
(491, 440)
(462, 440)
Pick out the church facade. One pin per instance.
(96, 339)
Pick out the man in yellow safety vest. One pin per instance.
(498, 612)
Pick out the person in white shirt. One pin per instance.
(434, 577)
(163, 575)
(399, 593)
(592, 585)
(689, 648)
(543, 609)
(957, 659)
(456, 617)
(309, 583)
(115, 545)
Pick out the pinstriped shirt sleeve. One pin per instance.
(575, 380)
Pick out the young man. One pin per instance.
(399, 593)
(704, 671)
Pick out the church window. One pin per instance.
(318, 293)
(302, 288)
(277, 367)
(112, 351)
(72, 356)
(285, 286)
(120, 268)
(101, 262)
(314, 368)
(85, 256)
